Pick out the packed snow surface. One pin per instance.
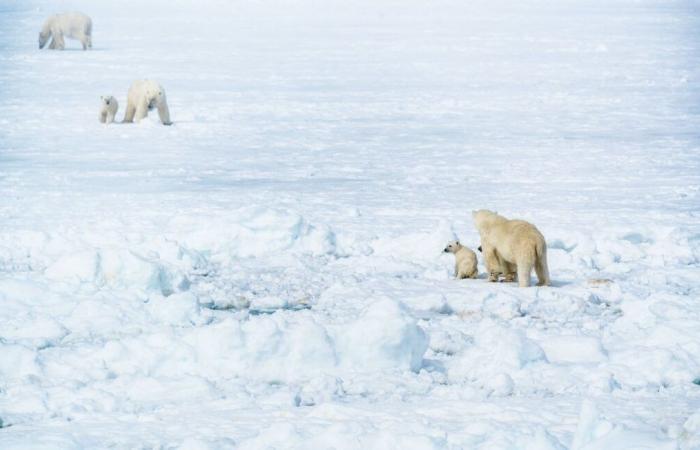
(268, 271)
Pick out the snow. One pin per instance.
(268, 272)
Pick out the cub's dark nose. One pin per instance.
(447, 250)
(479, 248)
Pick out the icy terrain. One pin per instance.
(267, 272)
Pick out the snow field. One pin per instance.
(95, 326)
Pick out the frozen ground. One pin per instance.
(267, 273)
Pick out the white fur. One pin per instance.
(512, 245)
(465, 260)
(71, 25)
(108, 109)
(143, 96)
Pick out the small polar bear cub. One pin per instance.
(71, 25)
(108, 109)
(144, 96)
(465, 260)
(511, 246)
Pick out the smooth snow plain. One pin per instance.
(268, 271)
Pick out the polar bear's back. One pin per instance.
(73, 23)
(519, 236)
(143, 86)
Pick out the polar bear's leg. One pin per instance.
(110, 117)
(510, 270)
(141, 111)
(52, 45)
(60, 44)
(541, 269)
(493, 266)
(506, 269)
(102, 117)
(163, 113)
(129, 114)
(88, 34)
(85, 39)
(524, 269)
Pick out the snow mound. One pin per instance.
(498, 350)
(250, 232)
(573, 349)
(384, 336)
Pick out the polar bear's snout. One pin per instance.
(480, 250)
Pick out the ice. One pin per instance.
(268, 271)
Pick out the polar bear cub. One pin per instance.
(109, 109)
(465, 260)
(71, 25)
(512, 244)
(144, 96)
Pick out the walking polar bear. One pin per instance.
(108, 109)
(511, 245)
(71, 25)
(143, 96)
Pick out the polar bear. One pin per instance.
(143, 96)
(72, 25)
(108, 109)
(511, 245)
(465, 260)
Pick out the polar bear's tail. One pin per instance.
(541, 264)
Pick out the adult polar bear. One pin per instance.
(507, 243)
(71, 25)
(143, 96)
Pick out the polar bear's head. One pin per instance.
(107, 100)
(44, 36)
(452, 247)
(156, 96)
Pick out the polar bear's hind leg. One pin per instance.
(85, 41)
(87, 35)
(524, 270)
(541, 267)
